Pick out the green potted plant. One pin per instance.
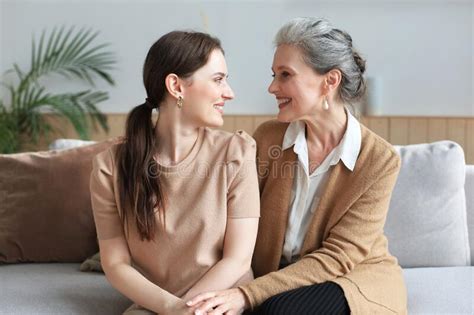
(68, 53)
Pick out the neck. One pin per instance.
(325, 131)
(175, 137)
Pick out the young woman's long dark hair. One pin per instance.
(141, 194)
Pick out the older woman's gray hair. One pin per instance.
(325, 48)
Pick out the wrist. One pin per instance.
(245, 299)
(171, 304)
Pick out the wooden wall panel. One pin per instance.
(261, 119)
(245, 123)
(117, 127)
(229, 123)
(457, 131)
(469, 148)
(380, 126)
(437, 129)
(413, 130)
(397, 130)
(417, 130)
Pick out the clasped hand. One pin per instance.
(228, 302)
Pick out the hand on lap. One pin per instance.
(227, 302)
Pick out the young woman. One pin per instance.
(325, 186)
(176, 204)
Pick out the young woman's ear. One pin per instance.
(174, 85)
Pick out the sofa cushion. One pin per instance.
(45, 208)
(426, 223)
(62, 144)
(469, 188)
(447, 290)
(57, 289)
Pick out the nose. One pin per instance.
(228, 93)
(273, 88)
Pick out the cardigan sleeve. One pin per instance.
(347, 244)
(263, 152)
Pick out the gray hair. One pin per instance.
(326, 48)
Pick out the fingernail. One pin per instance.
(197, 312)
(189, 303)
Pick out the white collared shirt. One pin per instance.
(308, 188)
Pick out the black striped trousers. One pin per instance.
(326, 298)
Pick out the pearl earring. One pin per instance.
(325, 104)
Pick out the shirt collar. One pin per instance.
(351, 142)
(347, 150)
(295, 134)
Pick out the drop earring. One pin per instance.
(180, 102)
(326, 104)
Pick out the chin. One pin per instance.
(284, 118)
(215, 122)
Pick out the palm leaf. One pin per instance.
(77, 108)
(97, 117)
(68, 53)
(8, 132)
(18, 71)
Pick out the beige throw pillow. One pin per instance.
(45, 207)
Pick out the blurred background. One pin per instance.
(419, 55)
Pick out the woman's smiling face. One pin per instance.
(296, 86)
(204, 98)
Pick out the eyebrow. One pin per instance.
(283, 67)
(221, 74)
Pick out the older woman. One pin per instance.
(325, 187)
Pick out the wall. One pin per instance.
(421, 52)
(2, 21)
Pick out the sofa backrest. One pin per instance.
(469, 188)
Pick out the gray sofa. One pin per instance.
(430, 225)
(431, 214)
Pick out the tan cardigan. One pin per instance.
(345, 242)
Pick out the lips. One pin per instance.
(283, 101)
(219, 107)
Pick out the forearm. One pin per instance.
(221, 276)
(140, 290)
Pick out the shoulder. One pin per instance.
(236, 146)
(270, 132)
(106, 159)
(229, 140)
(376, 151)
(241, 147)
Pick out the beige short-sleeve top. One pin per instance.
(216, 181)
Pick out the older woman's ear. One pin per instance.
(333, 79)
